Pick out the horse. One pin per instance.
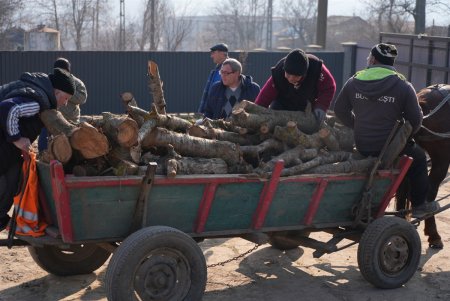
(434, 138)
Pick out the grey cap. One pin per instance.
(220, 47)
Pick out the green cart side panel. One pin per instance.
(102, 212)
(233, 206)
(289, 204)
(44, 173)
(340, 197)
(174, 206)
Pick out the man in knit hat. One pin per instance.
(71, 111)
(21, 102)
(371, 102)
(297, 79)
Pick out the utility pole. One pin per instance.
(419, 17)
(152, 25)
(321, 26)
(122, 26)
(269, 26)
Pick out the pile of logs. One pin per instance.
(250, 141)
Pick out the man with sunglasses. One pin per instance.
(233, 88)
(297, 79)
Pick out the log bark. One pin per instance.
(294, 156)
(189, 165)
(291, 135)
(192, 146)
(128, 99)
(265, 120)
(56, 124)
(350, 166)
(324, 158)
(254, 153)
(155, 86)
(89, 141)
(220, 134)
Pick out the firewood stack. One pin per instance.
(250, 141)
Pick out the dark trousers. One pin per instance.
(43, 140)
(417, 173)
(9, 182)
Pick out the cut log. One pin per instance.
(59, 148)
(324, 158)
(155, 86)
(266, 119)
(89, 141)
(56, 124)
(220, 134)
(293, 156)
(253, 153)
(350, 166)
(291, 135)
(188, 165)
(192, 146)
(128, 99)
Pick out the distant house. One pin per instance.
(349, 29)
(42, 38)
(12, 39)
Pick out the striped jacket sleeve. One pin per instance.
(11, 110)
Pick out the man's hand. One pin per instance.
(23, 144)
(320, 115)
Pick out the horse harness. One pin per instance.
(446, 98)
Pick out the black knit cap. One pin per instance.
(296, 62)
(62, 80)
(384, 53)
(62, 63)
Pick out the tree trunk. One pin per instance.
(56, 124)
(291, 135)
(350, 166)
(219, 134)
(327, 158)
(59, 148)
(156, 87)
(192, 146)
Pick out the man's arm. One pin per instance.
(326, 87)
(343, 108)
(412, 111)
(267, 94)
(80, 95)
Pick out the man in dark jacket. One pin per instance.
(371, 102)
(21, 102)
(219, 53)
(297, 79)
(233, 88)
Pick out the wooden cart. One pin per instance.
(152, 225)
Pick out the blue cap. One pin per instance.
(220, 47)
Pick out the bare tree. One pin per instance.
(176, 28)
(152, 23)
(393, 15)
(8, 11)
(240, 24)
(299, 17)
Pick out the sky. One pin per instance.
(335, 7)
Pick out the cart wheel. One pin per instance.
(156, 263)
(389, 252)
(76, 260)
(283, 240)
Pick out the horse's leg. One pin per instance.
(439, 169)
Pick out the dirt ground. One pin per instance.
(265, 274)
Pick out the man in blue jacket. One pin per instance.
(219, 53)
(233, 88)
(21, 102)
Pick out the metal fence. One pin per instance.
(424, 60)
(108, 74)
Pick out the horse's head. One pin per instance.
(430, 97)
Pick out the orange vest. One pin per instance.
(26, 203)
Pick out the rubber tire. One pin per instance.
(276, 239)
(371, 255)
(150, 249)
(77, 260)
